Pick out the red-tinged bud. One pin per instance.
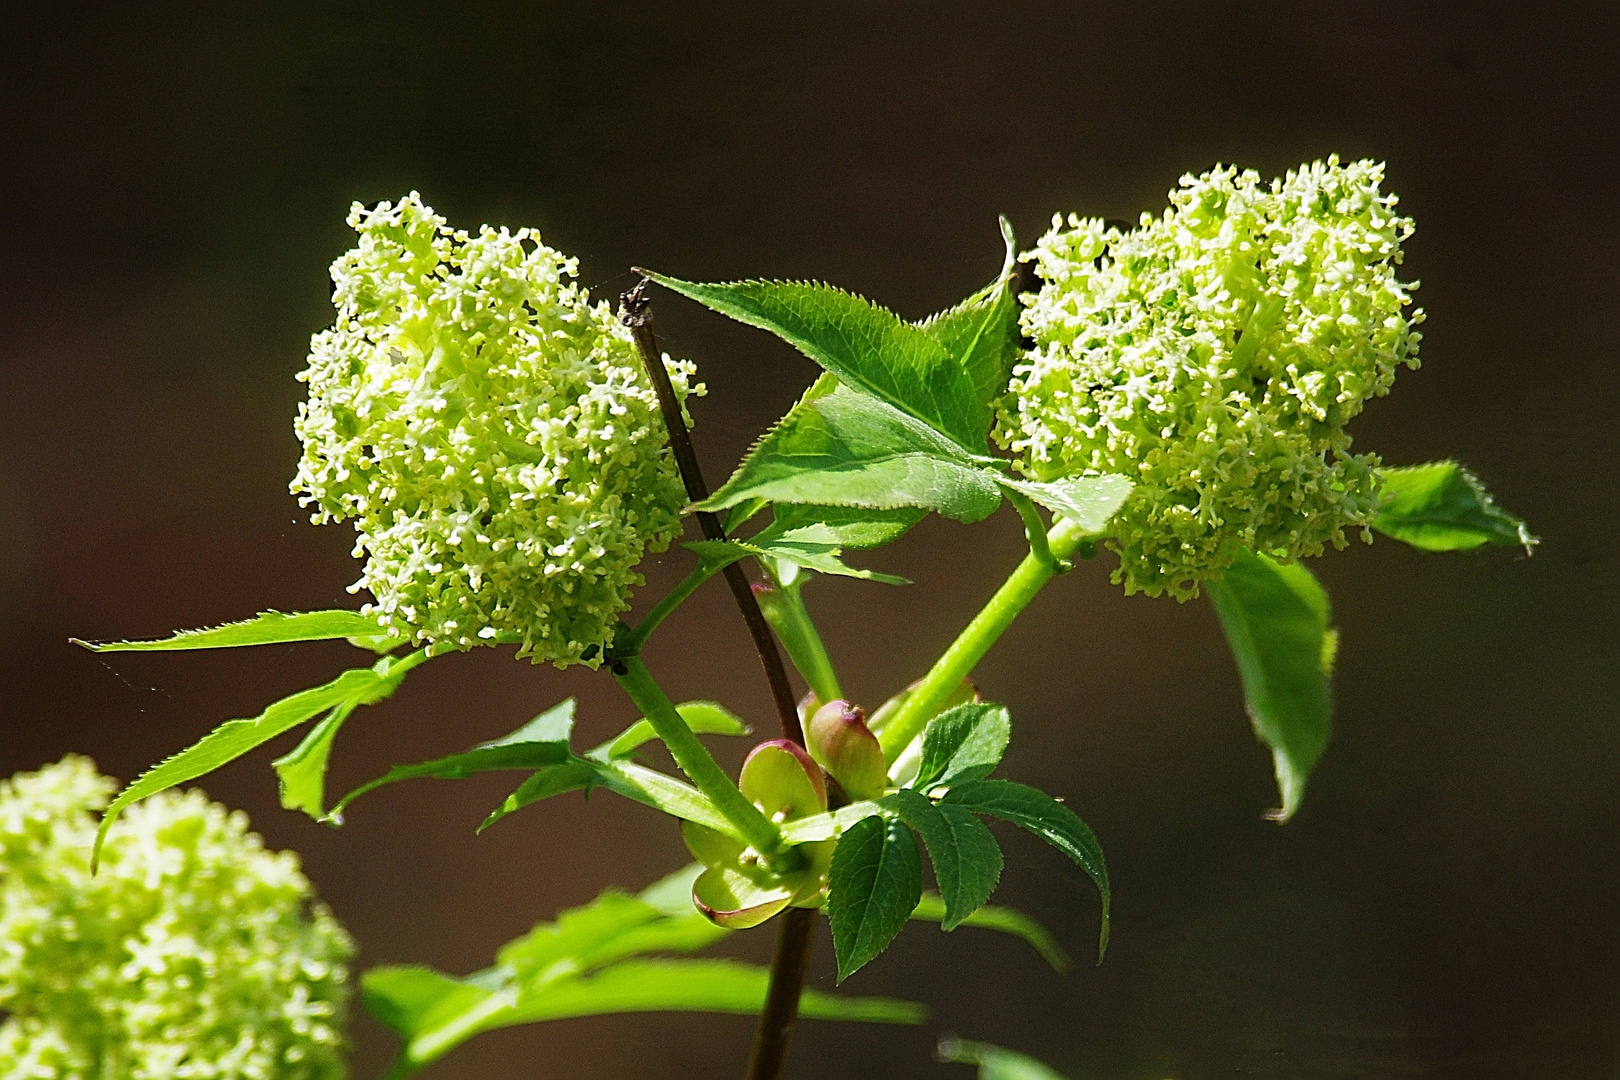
(808, 706)
(839, 739)
(783, 781)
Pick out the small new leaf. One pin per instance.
(1088, 501)
(1047, 818)
(874, 886)
(964, 743)
(1276, 621)
(967, 862)
(266, 628)
(1443, 507)
(866, 346)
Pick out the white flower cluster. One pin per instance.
(1214, 356)
(194, 954)
(492, 434)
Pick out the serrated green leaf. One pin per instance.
(1276, 620)
(874, 886)
(541, 742)
(982, 331)
(571, 775)
(868, 347)
(1442, 506)
(967, 862)
(232, 739)
(840, 526)
(659, 791)
(1088, 501)
(302, 772)
(703, 717)
(1047, 818)
(964, 743)
(995, 1062)
(931, 908)
(266, 628)
(846, 449)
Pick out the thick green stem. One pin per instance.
(973, 642)
(784, 609)
(694, 758)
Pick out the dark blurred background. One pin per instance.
(175, 183)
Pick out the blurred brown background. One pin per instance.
(174, 188)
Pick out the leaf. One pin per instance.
(982, 331)
(967, 862)
(1276, 622)
(1443, 507)
(659, 791)
(827, 826)
(266, 628)
(868, 347)
(232, 739)
(846, 449)
(540, 742)
(931, 908)
(841, 526)
(1088, 501)
(875, 884)
(571, 775)
(1047, 818)
(703, 717)
(994, 1062)
(823, 558)
(964, 743)
(302, 772)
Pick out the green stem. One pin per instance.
(973, 642)
(1034, 530)
(784, 609)
(632, 643)
(694, 758)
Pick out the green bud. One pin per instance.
(838, 738)
(783, 781)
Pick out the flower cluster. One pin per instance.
(1214, 356)
(492, 434)
(193, 953)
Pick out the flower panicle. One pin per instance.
(1215, 354)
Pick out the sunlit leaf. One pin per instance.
(302, 771)
(866, 346)
(232, 739)
(963, 743)
(982, 331)
(266, 628)
(703, 717)
(1276, 620)
(841, 526)
(1088, 501)
(1443, 507)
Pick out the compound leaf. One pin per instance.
(967, 862)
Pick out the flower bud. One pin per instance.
(782, 780)
(839, 739)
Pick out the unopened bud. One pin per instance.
(783, 781)
(839, 739)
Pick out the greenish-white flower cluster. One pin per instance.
(492, 434)
(194, 954)
(1214, 356)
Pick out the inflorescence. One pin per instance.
(1214, 356)
(491, 433)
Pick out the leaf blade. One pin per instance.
(266, 628)
(874, 885)
(1442, 506)
(967, 861)
(1088, 501)
(931, 908)
(1276, 621)
(982, 330)
(963, 743)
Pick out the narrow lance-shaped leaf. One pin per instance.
(982, 331)
(873, 887)
(1443, 507)
(540, 742)
(995, 1062)
(703, 717)
(232, 739)
(963, 743)
(1276, 621)
(931, 908)
(842, 448)
(1047, 818)
(967, 862)
(302, 771)
(266, 628)
(868, 347)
